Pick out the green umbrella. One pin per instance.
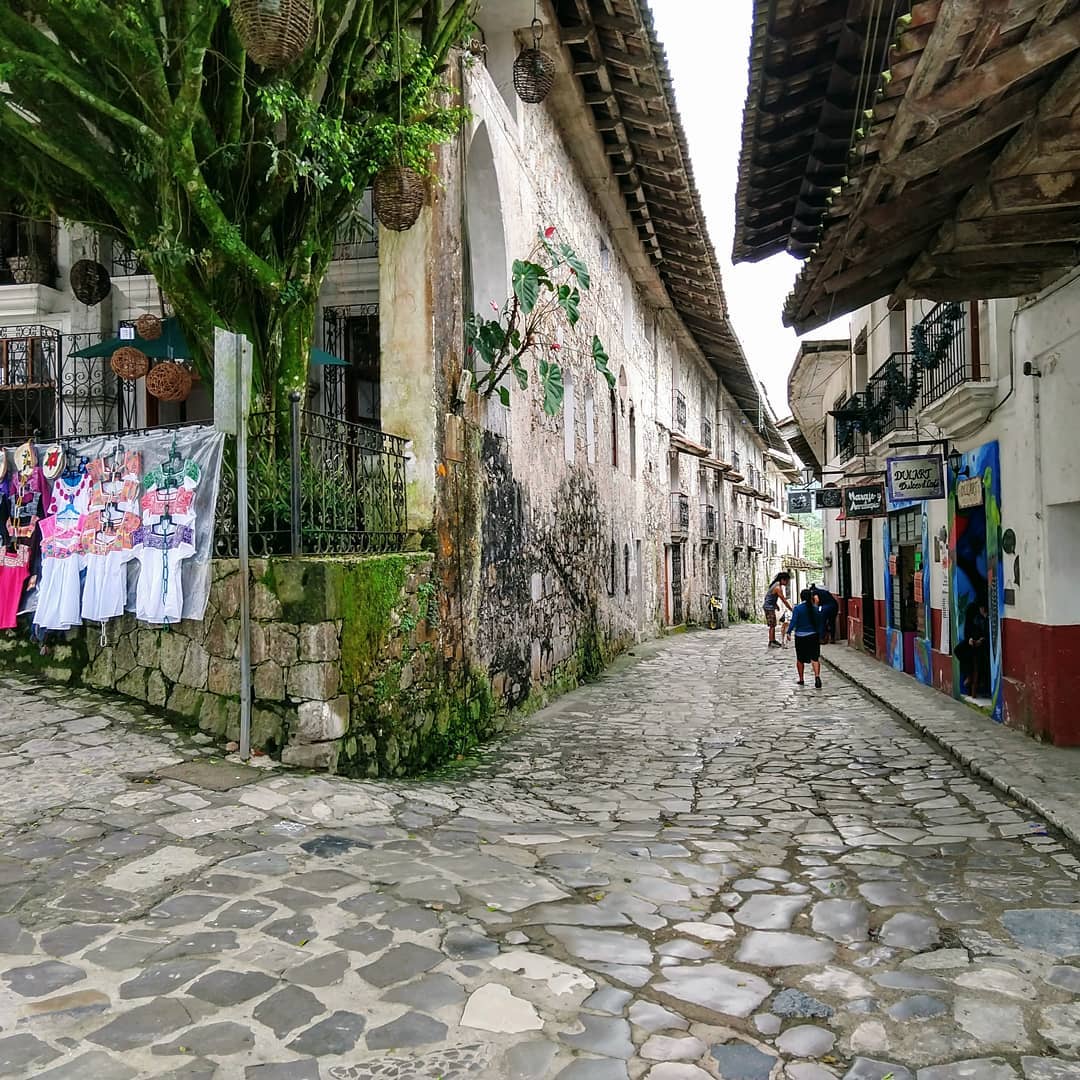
(170, 346)
(321, 358)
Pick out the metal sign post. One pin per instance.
(232, 393)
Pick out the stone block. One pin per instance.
(319, 642)
(222, 637)
(259, 648)
(172, 652)
(536, 586)
(124, 654)
(227, 594)
(317, 721)
(133, 684)
(223, 676)
(314, 682)
(185, 701)
(196, 667)
(407, 678)
(310, 755)
(220, 716)
(157, 689)
(147, 646)
(281, 645)
(101, 673)
(267, 728)
(265, 606)
(269, 682)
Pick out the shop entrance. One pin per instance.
(843, 585)
(869, 624)
(907, 614)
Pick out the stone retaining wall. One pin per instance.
(351, 669)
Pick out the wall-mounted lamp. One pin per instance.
(955, 461)
(807, 476)
(1031, 370)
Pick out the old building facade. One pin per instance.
(556, 541)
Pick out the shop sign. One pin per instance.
(969, 493)
(829, 498)
(918, 587)
(864, 500)
(800, 502)
(915, 478)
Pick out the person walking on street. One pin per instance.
(776, 595)
(806, 627)
(829, 609)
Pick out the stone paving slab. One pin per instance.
(1037, 775)
(689, 869)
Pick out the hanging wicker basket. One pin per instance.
(169, 381)
(534, 70)
(90, 282)
(130, 363)
(148, 327)
(398, 197)
(274, 32)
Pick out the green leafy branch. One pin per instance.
(546, 297)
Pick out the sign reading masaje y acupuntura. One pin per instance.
(916, 477)
(864, 500)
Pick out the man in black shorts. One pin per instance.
(806, 629)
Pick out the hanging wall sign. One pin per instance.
(969, 493)
(864, 500)
(800, 502)
(919, 477)
(829, 498)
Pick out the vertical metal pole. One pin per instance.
(242, 537)
(294, 473)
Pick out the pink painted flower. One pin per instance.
(549, 232)
(555, 346)
(494, 306)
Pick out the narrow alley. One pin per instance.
(689, 869)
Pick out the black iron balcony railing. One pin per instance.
(27, 251)
(740, 534)
(889, 381)
(680, 513)
(708, 522)
(125, 263)
(850, 438)
(946, 328)
(680, 410)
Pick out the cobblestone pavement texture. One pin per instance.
(690, 869)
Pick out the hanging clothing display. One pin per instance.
(102, 538)
(109, 532)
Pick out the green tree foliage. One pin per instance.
(146, 120)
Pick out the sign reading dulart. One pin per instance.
(864, 500)
(919, 477)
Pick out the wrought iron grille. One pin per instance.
(708, 522)
(125, 263)
(740, 533)
(680, 410)
(47, 391)
(352, 334)
(955, 367)
(706, 434)
(323, 486)
(895, 370)
(850, 440)
(680, 513)
(27, 251)
(358, 235)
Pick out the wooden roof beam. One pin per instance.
(1018, 230)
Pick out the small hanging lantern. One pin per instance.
(398, 196)
(169, 381)
(274, 33)
(534, 69)
(90, 282)
(148, 327)
(129, 363)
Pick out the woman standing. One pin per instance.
(776, 595)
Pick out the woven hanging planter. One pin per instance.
(274, 32)
(534, 70)
(398, 197)
(148, 327)
(129, 363)
(169, 381)
(90, 282)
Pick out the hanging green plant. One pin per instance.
(926, 358)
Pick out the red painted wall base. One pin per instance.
(1041, 667)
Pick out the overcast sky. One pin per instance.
(707, 47)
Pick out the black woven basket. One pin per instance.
(534, 75)
(398, 197)
(90, 282)
(274, 32)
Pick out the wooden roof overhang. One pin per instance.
(623, 73)
(813, 70)
(965, 183)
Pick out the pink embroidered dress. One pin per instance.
(59, 605)
(109, 532)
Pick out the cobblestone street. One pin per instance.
(691, 869)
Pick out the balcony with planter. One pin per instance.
(708, 522)
(957, 393)
(680, 514)
(890, 382)
(28, 272)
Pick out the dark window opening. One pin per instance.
(351, 334)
